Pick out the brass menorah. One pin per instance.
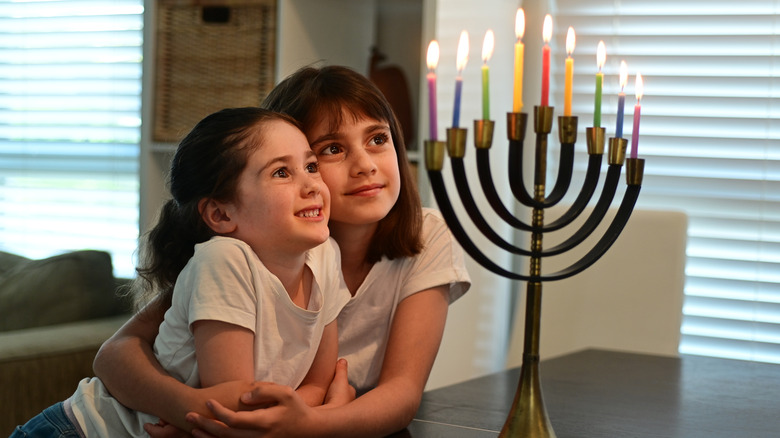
(528, 415)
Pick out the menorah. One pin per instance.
(528, 415)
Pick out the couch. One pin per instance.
(54, 315)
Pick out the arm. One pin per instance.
(414, 341)
(127, 366)
(315, 385)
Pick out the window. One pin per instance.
(70, 101)
(711, 139)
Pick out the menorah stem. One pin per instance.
(528, 415)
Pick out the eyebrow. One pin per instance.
(284, 159)
(337, 134)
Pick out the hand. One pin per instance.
(164, 430)
(340, 391)
(287, 416)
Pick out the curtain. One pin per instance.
(710, 132)
(70, 101)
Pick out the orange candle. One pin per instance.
(569, 80)
(517, 103)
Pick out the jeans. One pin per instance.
(51, 423)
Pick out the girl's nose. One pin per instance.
(362, 163)
(312, 185)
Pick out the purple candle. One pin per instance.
(433, 59)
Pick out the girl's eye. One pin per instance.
(330, 150)
(313, 167)
(380, 139)
(281, 173)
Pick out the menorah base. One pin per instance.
(528, 415)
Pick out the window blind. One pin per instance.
(70, 100)
(710, 134)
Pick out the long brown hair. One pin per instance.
(310, 94)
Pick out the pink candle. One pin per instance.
(547, 35)
(637, 111)
(433, 59)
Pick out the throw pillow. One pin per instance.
(69, 287)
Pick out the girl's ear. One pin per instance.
(215, 214)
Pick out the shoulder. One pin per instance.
(221, 251)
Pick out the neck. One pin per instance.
(293, 275)
(354, 241)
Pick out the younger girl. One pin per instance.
(241, 255)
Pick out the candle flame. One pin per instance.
(640, 87)
(547, 28)
(463, 51)
(623, 75)
(433, 55)
(520, 24)
(570, 41)
(487, 46)
(601, 55)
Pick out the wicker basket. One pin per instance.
(210, 55)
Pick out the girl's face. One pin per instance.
(282, 205)
(359, 165)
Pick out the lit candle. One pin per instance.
(637, 109)
(621, 99)
(433, 59)
(547, 36)
(487, 52)
(569, 82)
(601, 58)
(463, 57)
(517, 103)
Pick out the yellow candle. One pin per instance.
(517, 103)
(569, 82)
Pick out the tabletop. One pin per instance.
(598, 393)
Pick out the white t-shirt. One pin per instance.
(364, 323)
(226, 281)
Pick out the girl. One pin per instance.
(241, 256)
(399, 261)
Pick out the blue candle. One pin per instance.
(462, 58)
(621, 99)
(456, 110)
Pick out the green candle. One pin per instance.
(487, 52)
(601, 59)
(597, 108)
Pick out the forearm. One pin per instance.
(130, 371)
(380, 412)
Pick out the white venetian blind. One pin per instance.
(710, 134)
(70, 98)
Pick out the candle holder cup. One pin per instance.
(528, 416)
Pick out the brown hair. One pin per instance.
(312, 93)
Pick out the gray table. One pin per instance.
(595, 393)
